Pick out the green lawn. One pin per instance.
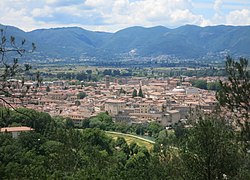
(132, 138)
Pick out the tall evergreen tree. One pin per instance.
(140, 94)
(235, 93)
(211, 151)
(134, 94)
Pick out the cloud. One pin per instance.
(63, 2)
(41, 12)
(218, 16)
(99, 3)
(238, 17)
(218, 5)
(147, 12)
(112, 15)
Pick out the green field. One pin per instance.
(132, 138)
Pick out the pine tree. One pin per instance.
(235, 94)
(134, 94)
(210, 146)
(140, 94)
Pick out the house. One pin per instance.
(171, 117)
(15, 131)
(113, 106)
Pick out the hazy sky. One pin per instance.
(113, 15)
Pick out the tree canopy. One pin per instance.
(235, 93)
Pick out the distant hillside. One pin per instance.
(184, 42)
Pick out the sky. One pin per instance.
(114, 15)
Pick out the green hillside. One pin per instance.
(184, 42)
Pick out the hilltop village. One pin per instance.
(130, 100)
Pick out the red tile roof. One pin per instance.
(16, 129)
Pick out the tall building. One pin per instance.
(113, 106)
(107, 82)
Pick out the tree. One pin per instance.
(202, 84)
(215, 86)
(140, 94)
(235, 93)
(120, 141)
(47, 89)
(107, 72)
(154, 128)
(26, 117)
(180, 132)
(139, 130)
(13, 69)
(77, 103)
(137, 166)
(89, 71)
(211, 150)
(162, 142)
(116, 72)
(81, 95)
(102, 121)
(134, 94)
(81, 76)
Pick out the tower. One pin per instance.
(107, 82)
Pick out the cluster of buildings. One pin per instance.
(166, 101)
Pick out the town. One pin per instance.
(129, 100)
(125, 89)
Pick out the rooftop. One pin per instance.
(16, 129)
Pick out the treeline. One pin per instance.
(203, 84)
(104, 122)
(120, 62)
(89, 75)
(209, 150)
(140, 72)
(96, 75)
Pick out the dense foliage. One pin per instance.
(209, 150)
(104, 122)
(98, 74)
(54, 150)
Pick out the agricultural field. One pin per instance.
(132, 138)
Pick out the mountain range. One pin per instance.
(187, 41)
